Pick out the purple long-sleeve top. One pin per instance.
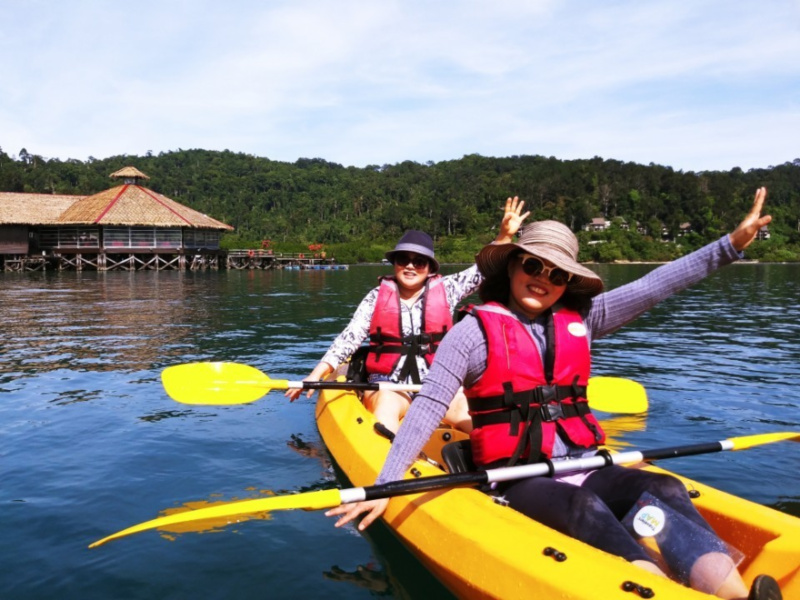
(461, 357)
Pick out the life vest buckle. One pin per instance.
(551, 412)
(545, 394)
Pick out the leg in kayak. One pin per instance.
(592, 514)
(389, 408)
(697, 560)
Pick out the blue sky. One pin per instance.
(701, 85)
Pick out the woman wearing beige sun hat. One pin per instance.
(523, 359)
(551, 241)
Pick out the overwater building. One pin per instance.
(127, 227)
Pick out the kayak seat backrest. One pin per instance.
(457, 456)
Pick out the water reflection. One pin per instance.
(370, 577)
(166, 414)
(73, 396)
(616, 428)
(313, 450)
(211, 525)
(99, 321)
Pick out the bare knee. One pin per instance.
(715, 573)
(388, 407)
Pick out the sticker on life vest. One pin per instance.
(649, 521)
(577, 329)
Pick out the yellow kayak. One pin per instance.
(481, 549)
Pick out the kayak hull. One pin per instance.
(480, 549)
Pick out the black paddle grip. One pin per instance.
(426, 484)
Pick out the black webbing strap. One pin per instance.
(547, 413)
(550, 347)
(410, 368)
(422, 344)
(531, 437)
(538, 395)
(598, 436)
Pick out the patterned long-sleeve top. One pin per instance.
(457, 287)
(462, 355)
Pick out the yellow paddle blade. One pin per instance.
(217, 383)
(306, 501)
(616, 395)
(748, 441)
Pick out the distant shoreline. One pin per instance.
(743, 261)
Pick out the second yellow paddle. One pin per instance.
(221, 383)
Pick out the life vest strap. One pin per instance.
(543, 394)
(422, 344)
(552, 411)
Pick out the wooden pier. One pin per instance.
(164, 260)
(117, 260)
(267, 259)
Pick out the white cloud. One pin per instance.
(705, 85)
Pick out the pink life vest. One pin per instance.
(517, 408)
(386, 341)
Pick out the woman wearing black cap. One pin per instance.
(405, 318)
(532, 335)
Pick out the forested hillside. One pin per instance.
(358, 213)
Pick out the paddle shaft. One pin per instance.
(345, 385)
(540, 469)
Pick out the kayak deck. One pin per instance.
(481, 549)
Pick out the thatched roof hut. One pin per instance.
(33, 209)
(125, 205)
(130, 205)
(128, 173)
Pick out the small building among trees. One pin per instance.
(127, 227)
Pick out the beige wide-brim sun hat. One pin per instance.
(550, 240)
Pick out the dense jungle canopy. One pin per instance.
(359, 213)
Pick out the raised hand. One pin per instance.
(746, 232)
(512, 220)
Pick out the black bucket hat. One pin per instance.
(415, 241)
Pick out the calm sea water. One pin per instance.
(90, 443)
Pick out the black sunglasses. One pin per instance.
(402, 259)
(535, 266)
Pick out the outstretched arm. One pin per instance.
(620, 306)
